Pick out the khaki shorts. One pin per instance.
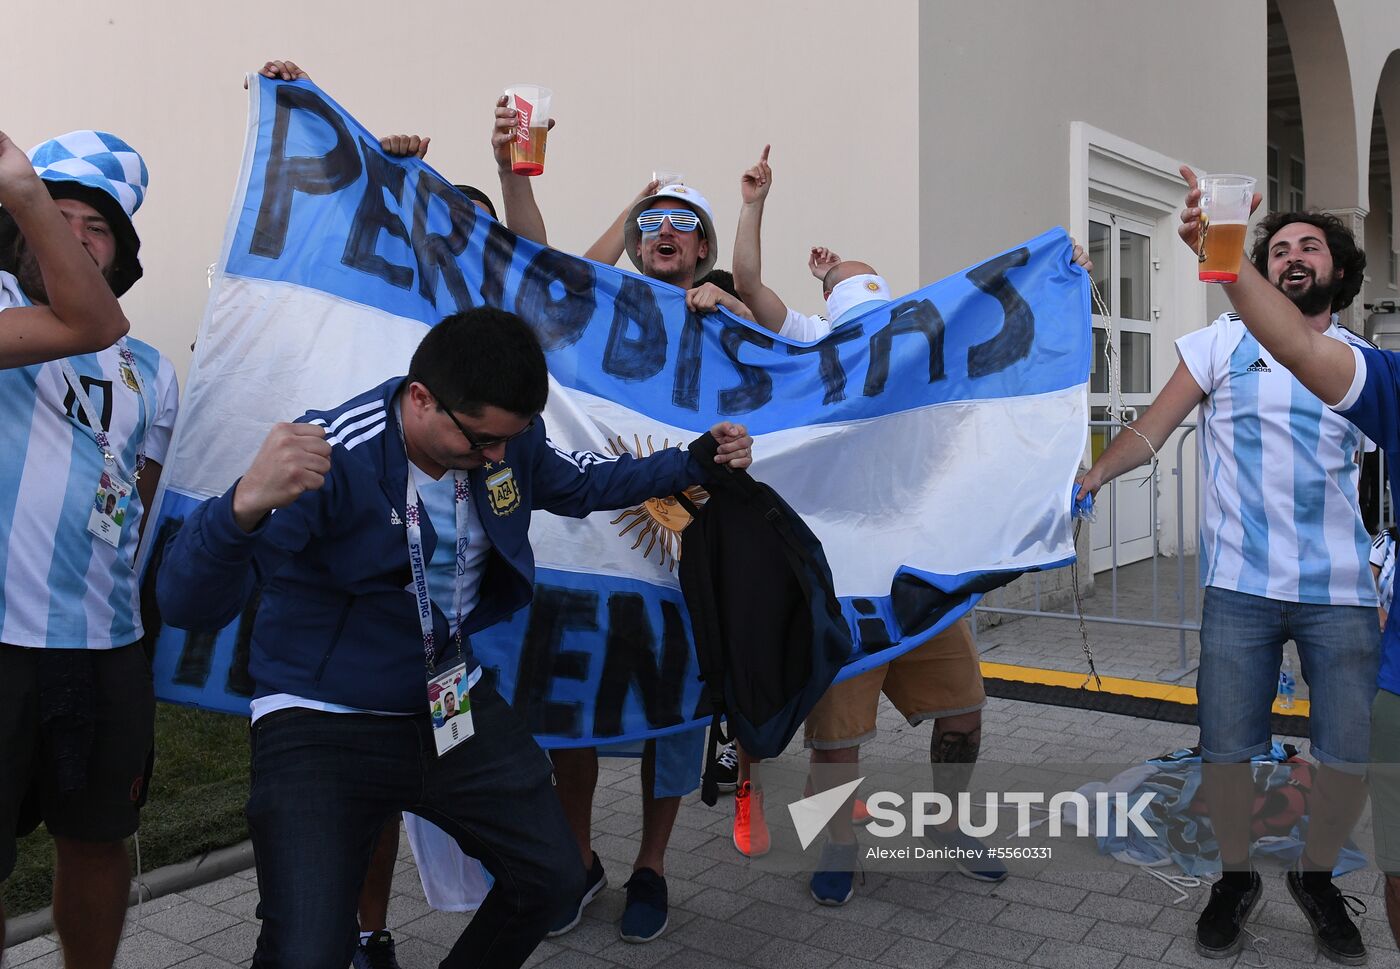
(941, 678)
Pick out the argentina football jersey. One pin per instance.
(61, 586)
(1279, 513)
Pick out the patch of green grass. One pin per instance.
(198, 793)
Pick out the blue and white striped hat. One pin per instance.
(102, 170)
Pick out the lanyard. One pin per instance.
(418, 563)
(90, 413)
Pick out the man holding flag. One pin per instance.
(363, 631)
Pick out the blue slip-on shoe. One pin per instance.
(833, 883)
(969, 855)
(646, 914)
(595, 883)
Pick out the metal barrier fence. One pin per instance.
(1185, 598)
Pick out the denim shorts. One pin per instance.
(1242, 639)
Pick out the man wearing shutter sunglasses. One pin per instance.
(670, 236)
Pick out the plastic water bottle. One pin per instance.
(1287, 686)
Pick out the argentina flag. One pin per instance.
(931, 443)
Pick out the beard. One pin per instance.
(31, 277)
(1316, 298)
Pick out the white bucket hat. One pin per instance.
(697, 204)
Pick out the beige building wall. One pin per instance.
(919, 136)
(1002, 82)
(639, 85)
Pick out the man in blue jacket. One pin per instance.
(363, 628)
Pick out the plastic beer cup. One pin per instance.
(532, 105)
(1225, 203)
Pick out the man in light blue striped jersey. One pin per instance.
(82, 439)
(1283, 555)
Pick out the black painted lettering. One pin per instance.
(685, 389)
(553, 613)
(1017, 334)
(631, 660)
(833, 373)
(558, 320)
(495, 264)
(437, 253)
(373, 217)
(637, 341)
(912, 316)
(240, 681)
(283, 177)
(755, 384)
(196, 658)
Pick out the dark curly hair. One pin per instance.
(1346, 255)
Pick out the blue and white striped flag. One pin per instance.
(931, 443)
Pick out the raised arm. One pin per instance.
(768, 308)
(517, 194)
(1128, 450)
(82, 315)
(229, 545)
(1323, 365)
(611, 244)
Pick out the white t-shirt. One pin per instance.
(1279, 512)
(61, 587)
(804, 329)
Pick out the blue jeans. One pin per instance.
(1242, 639)
(323, 785)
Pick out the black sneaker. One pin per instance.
(376, 952)
(596, 882)
(727, 768)
(1327, 911)
(1220, 929)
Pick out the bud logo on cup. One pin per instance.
(525, 110)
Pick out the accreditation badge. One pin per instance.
(450, 706)
(109, 508)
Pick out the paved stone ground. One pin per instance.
(726, 912)
(1134, 652)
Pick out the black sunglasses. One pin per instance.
(477, 444)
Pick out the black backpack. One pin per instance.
(769, 633)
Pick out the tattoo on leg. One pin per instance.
(955, 747)
(953, 754)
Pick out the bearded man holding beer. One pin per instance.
(1283, 556)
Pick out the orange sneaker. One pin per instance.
(750, 830)
(859, 815)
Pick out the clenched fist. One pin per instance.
(293, 460)
(735, 445)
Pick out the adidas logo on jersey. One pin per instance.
(394, 518)
(1259, 366)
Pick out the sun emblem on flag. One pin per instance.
(657, 521)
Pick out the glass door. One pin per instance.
(1124, 266)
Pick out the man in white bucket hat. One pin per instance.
(84, 438)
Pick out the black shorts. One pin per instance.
(118, 764)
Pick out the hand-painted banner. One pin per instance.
(931, 443)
